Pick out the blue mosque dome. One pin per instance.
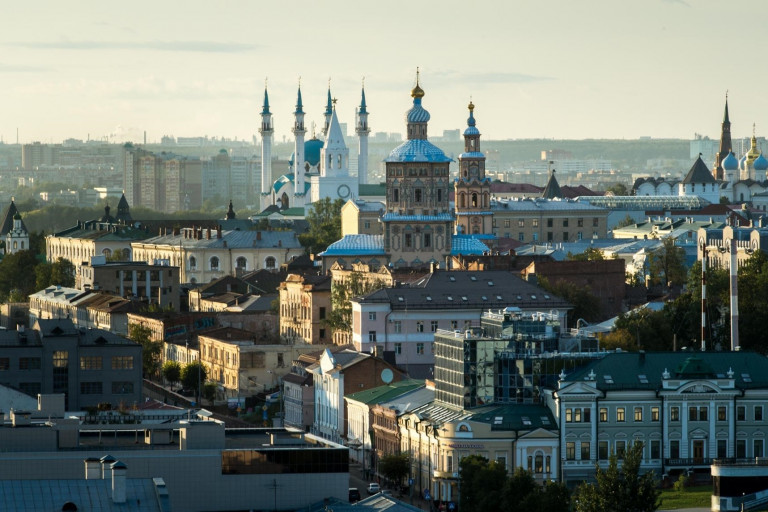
(417, 114)
(760, 163)
(312, 149)
(730, 163)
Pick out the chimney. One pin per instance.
(208, 234)
(92, 468)
(118, 482)
(106, 466)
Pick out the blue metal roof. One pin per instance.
(730, 163)
(467, 244)
(760, 163)
(312, 151)
(288, 178)
(417, 150)
(471, 130)
(472, 154)
(440, 217)
(356, 245)
(417, 114)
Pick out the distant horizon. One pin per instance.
(558, 70)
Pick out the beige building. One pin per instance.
(243, 365)
(305, 302)
(360, 217)
(206, 254)
(548, 220)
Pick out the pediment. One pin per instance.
(578, 388)
(540, 433)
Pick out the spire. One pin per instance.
(552, 190)
(725, 115)
(363, 106)
(329, 106)
(725, 143)
(299, 105)
(265, 108)
(230, 211)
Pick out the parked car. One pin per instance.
(354, 495)
(373, 488)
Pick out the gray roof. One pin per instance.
(543, 204)
(232, 240)
(699, 173)
(494, 289)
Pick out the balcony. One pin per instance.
(445, 474)
(694, 462)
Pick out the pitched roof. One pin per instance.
(699, 173)
(7, 224)
(552, 190)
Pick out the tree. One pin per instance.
(172, 372)
(585, 305)
(151, 350)
(193, 375)
(395, 467)
(324, 219)
(618, 189)
(340, 317)
(17, 276)
(590, 254)
(667, 265)
(620, 489)
(523, 494)
(640, 329)
(482, 485)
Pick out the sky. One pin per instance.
(559, 69)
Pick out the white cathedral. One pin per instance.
(318, 168)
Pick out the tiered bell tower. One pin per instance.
(472, 188)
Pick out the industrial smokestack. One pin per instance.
(703, 296)
(734, 295)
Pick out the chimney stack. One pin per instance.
(119, 471)
(92, 468)
(106, 466)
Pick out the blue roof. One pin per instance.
(730, 163)
(471, 130)
(468, 244)
(312, 151)
(472, 154)
(356, 245)
(440, 217)
(288, 178)
(760, 163)
(417, 114)
(417, 150)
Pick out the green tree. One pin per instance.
(193, 375)
(324, 219)
(395, 467)
(640, 329)
(618, 189)
(590, 254)
(523, 494)
(340, 317)
(172, 372)
(209, 391)
(151, 350)
(17, 276)
(620, 489)
(482, 485)
(667, 265)
(753, 303)
(585, 305)
(626, 221)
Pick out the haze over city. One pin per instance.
(556, 69)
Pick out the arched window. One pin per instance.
(107, 253)
(474, 199)
(241, 263)
(539, 464)
(192, 263)
(22, 245)
(15, 245)
(396, 195)
(270, 263)
(214, 263)
(462, 203)
(338, 161)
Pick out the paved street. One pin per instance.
(356, 480)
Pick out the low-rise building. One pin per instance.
(305, 303)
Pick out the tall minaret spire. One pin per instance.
(362, 131)
(328, 110)
(298, 152)
(725, 143)
(266, 132)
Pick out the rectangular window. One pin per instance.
(372, 315)
(90, 362)
(521, 223)
(29, 363)
(433, 325)
(419, 326)
(621, 448)
(585, 455)
(693, 414)
(570, 450)
(580, 235)
(550, 236)
(620, 414)
(5, 363)
(122, 388)
(741, 448)
(587, 415)
(507, 223)
(122, 362)
(703, 413)
(638, 414)
(427, 240)
(535, 222)
(722, 448)
(322, 313)
(568, 415)
(322, 334)
(398, 326)
(577, 415)
(521, 236)
(580, 222)
(549, 222)
(654, 414)
(420, 348)
(565, 223)
(454, 324)
(408, 240)
(741, 413)
(757, 448)
(603, 414)
(398, 348)
(655, 449)
(758, 413)
(91, 388)
(721, 413)
(674, 414)
(595, 221)
(602, 450)
(371, 336)
(674, 449)
(367, 224)
(565, 236)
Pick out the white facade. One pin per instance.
(329, 397)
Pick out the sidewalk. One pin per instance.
(356, 480)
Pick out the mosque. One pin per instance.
(319, 167)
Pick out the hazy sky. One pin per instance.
(534, 68)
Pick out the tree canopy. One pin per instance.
(340, 317)
(172, 372)
(324, 219)
(193, 375)
(151, 350)
(667, 264)
(395, 467)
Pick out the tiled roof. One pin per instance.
(354, 245)
(467, 244)
(231, 240)
(440, 217)
(417, 150)
(543, 204)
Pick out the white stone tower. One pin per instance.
(298, 154)
(362, 131)
(266, 131)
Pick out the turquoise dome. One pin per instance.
(312, 151)
(730, 163)
(760, 163)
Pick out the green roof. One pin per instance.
(638, 370)
(386, 393)
(372, 189)
(517, 417)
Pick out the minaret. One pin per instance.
(328, 111)
(266, 132)
(298, 153)
(362, 131)
(725, 144)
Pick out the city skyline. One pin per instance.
(557, 69)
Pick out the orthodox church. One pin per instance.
(319, 168)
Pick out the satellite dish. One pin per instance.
(387, 375)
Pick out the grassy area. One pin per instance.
(699, 496)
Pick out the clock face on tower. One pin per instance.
(343, 191)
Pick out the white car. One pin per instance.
(373, 488)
